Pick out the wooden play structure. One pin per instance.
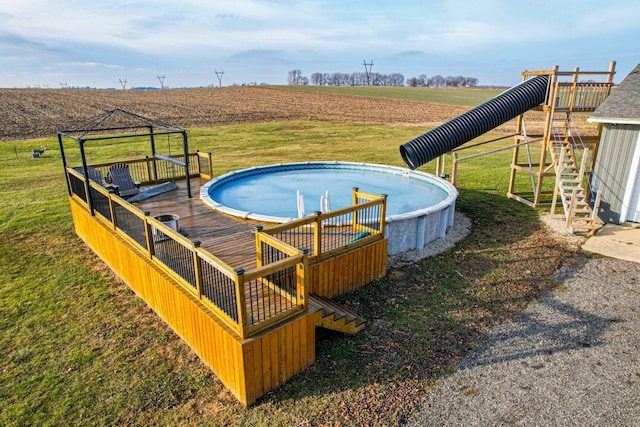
(565, 152)
(246, 298)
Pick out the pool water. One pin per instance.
(275, 193)
(420, 206)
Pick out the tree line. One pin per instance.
(296, 77)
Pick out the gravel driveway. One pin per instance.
(572, 359)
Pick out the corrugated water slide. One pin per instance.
(481, 119)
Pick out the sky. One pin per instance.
(103, 43)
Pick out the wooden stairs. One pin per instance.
(570, 183)
(332, 315)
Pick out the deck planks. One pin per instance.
(230, 239)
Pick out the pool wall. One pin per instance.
(414, 232)
(405, 231)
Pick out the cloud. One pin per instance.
(91, 65)
(11, 41)
(265, 37)
(261, 55)
(4, 17)
(410, 54)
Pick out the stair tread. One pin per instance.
(338, 311)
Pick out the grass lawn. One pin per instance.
(468, 97)
(78, 348)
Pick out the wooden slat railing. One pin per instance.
(579, 96)
(152, 170)
(246, 301)
(326, 234)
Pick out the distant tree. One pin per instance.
(294, 77)
(396, 79)
(340, 79)
(412, 82)
(378, 79)
(452, 81)
(317, 79)
(437, 81)
(420, 81)
(471, 82)
(358, 78)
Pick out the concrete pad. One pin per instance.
(616, 241)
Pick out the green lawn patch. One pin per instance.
(468, 97)
(77, 347)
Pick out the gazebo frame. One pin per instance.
(99, 130)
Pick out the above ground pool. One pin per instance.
(420, 206)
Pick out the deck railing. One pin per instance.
(152, 170)
(325, 234)
(246, 301)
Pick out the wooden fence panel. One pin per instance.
(350, 271)
(249, 367)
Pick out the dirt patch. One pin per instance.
(39, 113)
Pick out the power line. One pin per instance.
(219, 76)
(161, 78)
(367, 70)
(63, 85)
(123, 84)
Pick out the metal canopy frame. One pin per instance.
(121, 124)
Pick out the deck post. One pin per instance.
(354, 202)
(64, 162)
(241, 302)
(258, 230)
(197, 266)
(317, 234)
(185, 147)
(152, 143)
(112, 208)
(148, 163)
(302, 288)
(148, 234)
(383, 214)
(210, 157)
(85, 173)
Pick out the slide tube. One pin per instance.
(481, 119)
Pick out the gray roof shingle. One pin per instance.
(623, 105)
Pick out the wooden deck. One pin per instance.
(272, 337)
(228, 238)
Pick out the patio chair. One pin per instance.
(94, 174)
(120, 178)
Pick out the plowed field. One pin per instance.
(36, 113)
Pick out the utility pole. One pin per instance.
(161, 78)
(63, 85)
(219, 76)
(123, 84)
(367, 70)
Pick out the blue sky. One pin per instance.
(97, 43)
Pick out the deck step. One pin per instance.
(335, 317)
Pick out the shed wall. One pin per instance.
(612, 168)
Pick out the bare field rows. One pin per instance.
(39, 113)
